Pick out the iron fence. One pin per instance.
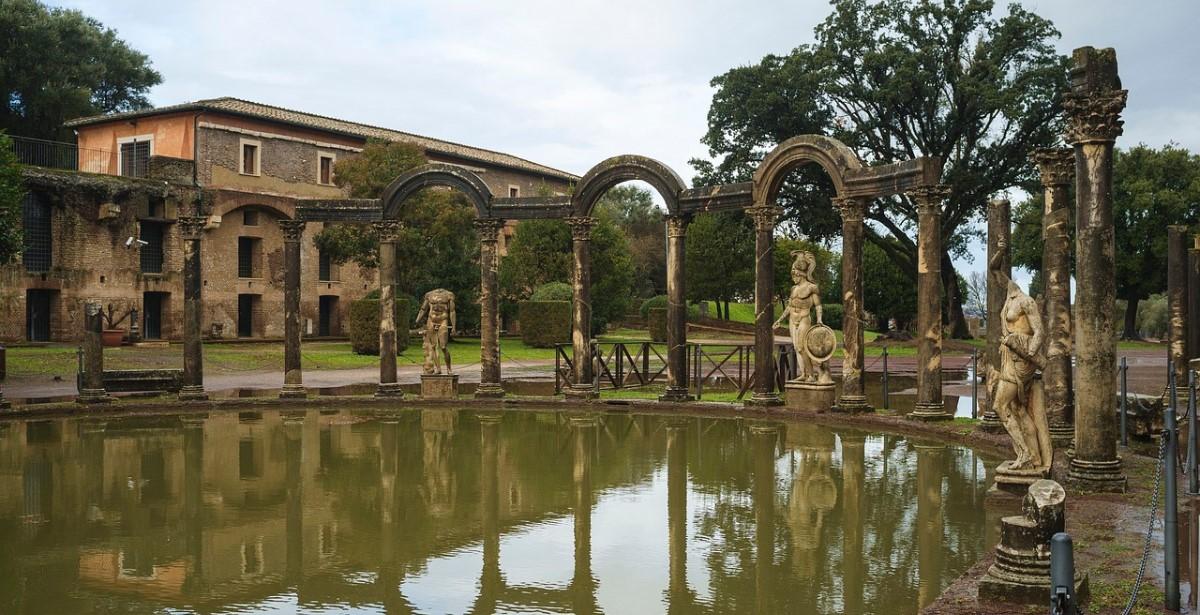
(60, 155)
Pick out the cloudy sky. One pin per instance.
(571, 83)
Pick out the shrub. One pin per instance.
(364, 325)
(656, 323)
(660, 301)
(545, 323)
(832, 315)
(553, 291)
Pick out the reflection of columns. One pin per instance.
(583, 584)
(677, 375)
(999, 233)
(1057, 166)
(192, 230)
(293, 387)
(491, 582)
(929, 303)
(853, 566)
(389, 234)
(762, 443)
(678, 596)
(293, 427)
(489, 309)
(193, 505)
(581, 314)
(930, 542)
(764, 305)
(91, 385)
(854, 397)
(1093, 108)
(1177, 300)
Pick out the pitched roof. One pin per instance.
(246, 108)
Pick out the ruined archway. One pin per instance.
(396, 195)
(620, 169)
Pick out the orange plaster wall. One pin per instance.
(173, 136)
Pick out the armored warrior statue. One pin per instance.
(813, 343)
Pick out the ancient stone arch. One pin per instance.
(436, 174)
(625, 168)
(838, 161)
(276, 210)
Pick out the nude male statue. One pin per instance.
(437, 312)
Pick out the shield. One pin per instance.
(819, 343)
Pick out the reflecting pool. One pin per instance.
(465, 511)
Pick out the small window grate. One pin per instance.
(36, 225)
(151, 252)
(135, 158)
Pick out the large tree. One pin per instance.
(633, 210)
(11, 192)
(897, 79)
(720, 259)
(1152, 188)
(58, 64)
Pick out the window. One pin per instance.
(35, 220)
(325, 169)
(325, 267)
(133, 155)
(514, 192)
(249, 162)
(151, 252)
(248, 257)
(250, 217)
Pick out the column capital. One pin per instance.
(389, 230)
(852, 208)
(765, 217)
(488, 228)
(929, 198)
(292, 229)
(192, 227)
(677, 225)
(1094, 117)
(581, 227)
(1055, 164)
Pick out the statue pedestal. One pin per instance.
(809, 396)
(1016, 482)
(439, 386)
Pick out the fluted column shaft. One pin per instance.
(1057, 168)
(192, 229)
(489, 309)
(293, 377)
(389, 234)
(765, 217)
(854, 395)
(677, 373)
(929, 303)
(581, 331)
(1178, 243)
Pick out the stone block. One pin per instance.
(439, 386)
(809, 396)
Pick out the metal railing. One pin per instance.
(60, 155)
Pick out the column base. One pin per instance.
(389, 389)
(193, 392)
(293, 391)
(852, 404)
(489, 390)
(1016, 482)
(94, 396)
(581, 393)
(676, 395)
(1103, 476)
(764, 400)
(990, 423)
(930, 411)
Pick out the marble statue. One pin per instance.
(1015, 389)
(814, 344)
(437, 313)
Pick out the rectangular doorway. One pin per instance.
(247, 306)
(39, 311)
(327, 319)
(153, 304)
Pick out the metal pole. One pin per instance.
(1193, 477)
(974, 384)
(1171, 505)
(1124, 402)
(885, 379)
(1062, 575)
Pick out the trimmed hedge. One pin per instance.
(545, 323)
(364, 325)
(553, 291)
(656, 323)
(660, 301)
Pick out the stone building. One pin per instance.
(106, 228)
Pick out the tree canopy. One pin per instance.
(11, 192)
(720, 259)
(894, 80)
(633, 210)
(58, 64)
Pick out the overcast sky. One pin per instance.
(570, 83)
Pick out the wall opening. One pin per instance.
(327, 321)
(40, 306)
(153, 305)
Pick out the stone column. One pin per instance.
(929, 304)
(764, 217)
(853, 565)
(1093, 109)
(491, 579)
(389, 234)
(4, 403)
(762, 444)
(91, 382)
(192, 230)
(854, 395)
(930, 523)
(1193, 330)
(581, 314)
(1177, 301)
(677, 373)
(1057, 168)
(677, 515)
(293, 378)
(293, 427)
(489, 309)
(583, 582)
(999, 236)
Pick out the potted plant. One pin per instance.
(111, 335)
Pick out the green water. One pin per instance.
(448, 511)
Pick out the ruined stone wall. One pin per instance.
(286, 166)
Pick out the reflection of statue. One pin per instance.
(1016, 393)
(814, 344)
(437, 312)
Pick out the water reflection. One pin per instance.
(457, 511)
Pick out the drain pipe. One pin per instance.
(1062, 575)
